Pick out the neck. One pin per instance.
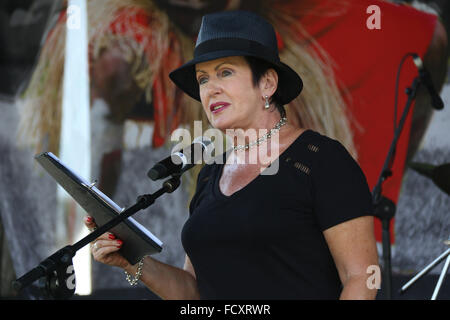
(253, 130)
(261, 139)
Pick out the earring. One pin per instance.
(266, 105)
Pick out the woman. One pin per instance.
(302, 232)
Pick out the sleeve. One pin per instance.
(340, 189)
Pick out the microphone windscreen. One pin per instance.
(157, 172)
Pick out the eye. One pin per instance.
(202, 80)
(226, 73)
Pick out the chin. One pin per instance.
(221, 122)
(220, 125)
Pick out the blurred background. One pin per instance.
(107, 108)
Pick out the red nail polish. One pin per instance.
(111, 236)
(89, 219)
(119, 243)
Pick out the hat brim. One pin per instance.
(289, 82)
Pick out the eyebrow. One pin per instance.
(217, 67)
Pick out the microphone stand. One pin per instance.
(384, 208)
(56, 275)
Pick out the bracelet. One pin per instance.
(135, 280)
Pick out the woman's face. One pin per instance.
(228, 94)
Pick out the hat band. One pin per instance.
(253, 48)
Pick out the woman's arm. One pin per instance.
(167, 281)
(353, 247)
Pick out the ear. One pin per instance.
(269, 83)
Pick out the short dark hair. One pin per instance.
(259, 68)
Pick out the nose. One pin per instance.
(213, 87)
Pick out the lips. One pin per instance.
(218, 106)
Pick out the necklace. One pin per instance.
(257, 142)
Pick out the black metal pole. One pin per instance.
(381, 213)
(386, 238)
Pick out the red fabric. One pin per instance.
(366, 63)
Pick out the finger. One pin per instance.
(90, 223)
(107, 236)
(103, 243)
(102, 248)
(105, 250)
(88, 220)
(108, 255)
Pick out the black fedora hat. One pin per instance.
(237, 33)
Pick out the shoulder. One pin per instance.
(320, 146)
(327, 157)
(320, 157)
(329, 148)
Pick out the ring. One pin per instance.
(95, 245)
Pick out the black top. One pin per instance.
(266, 240)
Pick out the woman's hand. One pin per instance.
(166, 281)
(105, 248)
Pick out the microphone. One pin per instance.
(182, 160)
(436, 100)
(440, 175)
